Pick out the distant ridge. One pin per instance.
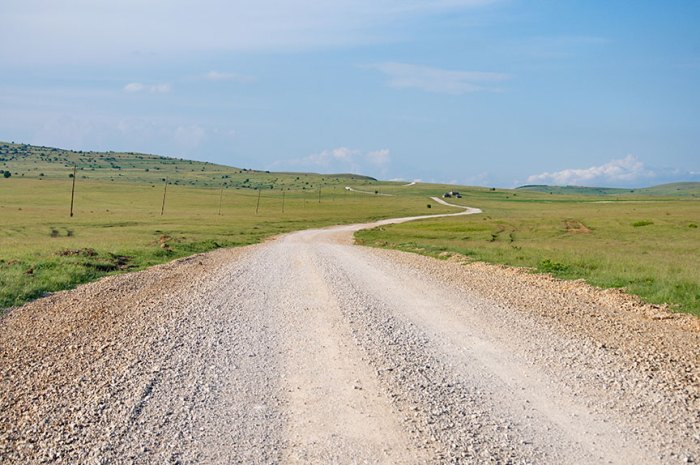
(46, 163)
(351, 176)
(689, 189)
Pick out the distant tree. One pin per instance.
(6, 174)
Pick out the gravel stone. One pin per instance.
(308, 349)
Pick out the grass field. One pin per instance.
(118, 226)
(650, 247)
(646, 242)
(685, 189)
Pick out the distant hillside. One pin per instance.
(675, 188)
(28, 161)
(691, 189)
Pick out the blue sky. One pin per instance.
(481, 92)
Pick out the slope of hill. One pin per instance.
(123, 220)
(676, 188)
(645, 241)
(34, 162)
(673, 189)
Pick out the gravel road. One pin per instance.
(308, 349)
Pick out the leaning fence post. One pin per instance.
(72, 191)
(165, 190)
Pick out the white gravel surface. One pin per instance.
(308, 349)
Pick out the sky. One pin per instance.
(477, 92)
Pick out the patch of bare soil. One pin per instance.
(575, 226)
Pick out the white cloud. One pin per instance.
(620, 171)
(379, 158)
(67, 130)
(342, 153)
(42, 31)
(339, 159)
(160, 88)
(405, 75)
(481, 179)
(134, 87)
(163, 135)
(328, 157)
(218, 76)
(223, 76)
(189, 137)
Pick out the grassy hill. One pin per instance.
(691, 189)
(647, 241)
(46, 163)
(118, 226)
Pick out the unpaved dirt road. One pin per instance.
(308, 349)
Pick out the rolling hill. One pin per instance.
(36, 162)
(691, 189)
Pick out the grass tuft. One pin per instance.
(549, 266)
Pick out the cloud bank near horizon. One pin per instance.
(623, 172)
(340, 160)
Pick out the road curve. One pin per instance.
(308, 349)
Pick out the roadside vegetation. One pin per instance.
(117, 224)
(645, 242)
(648, 246)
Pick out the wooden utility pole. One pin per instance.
(319, 194)
(282, 201)
(165, 190)
(72, 191)
(221, 197)
(257, 207)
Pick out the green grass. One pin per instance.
(118, 203)
(689, 189)
(651, 248)
(647, 242)
(118, 227)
